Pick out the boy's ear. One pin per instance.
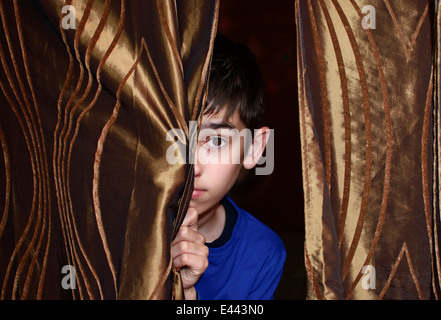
(257, 147)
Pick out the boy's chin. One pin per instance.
(200, 206)
(194, 205)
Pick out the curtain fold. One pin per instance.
(436, 220)
(370, 147)
(88, 94)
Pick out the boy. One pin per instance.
(245, 258)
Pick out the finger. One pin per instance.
(191, 219)
(195, 264)
(190, 235)
(191, 268)
(185, 247)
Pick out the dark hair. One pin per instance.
(235, 82)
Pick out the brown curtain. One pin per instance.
(369, 122)
(86, 102)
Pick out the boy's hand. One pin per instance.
(189, 253)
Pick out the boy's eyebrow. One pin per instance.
(217, 125)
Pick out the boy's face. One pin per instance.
(217, 160)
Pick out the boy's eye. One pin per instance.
(216, 142)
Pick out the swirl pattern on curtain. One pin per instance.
(89, 90)
(366, 119)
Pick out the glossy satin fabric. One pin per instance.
(367, 124)
(84, 116)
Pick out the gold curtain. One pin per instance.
(88, 94)
(368, 118)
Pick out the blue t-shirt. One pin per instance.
(248, 266)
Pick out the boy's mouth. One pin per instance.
(197, 193)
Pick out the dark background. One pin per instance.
(268, 29)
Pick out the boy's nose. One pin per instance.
(197, 166)
(197, 170)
